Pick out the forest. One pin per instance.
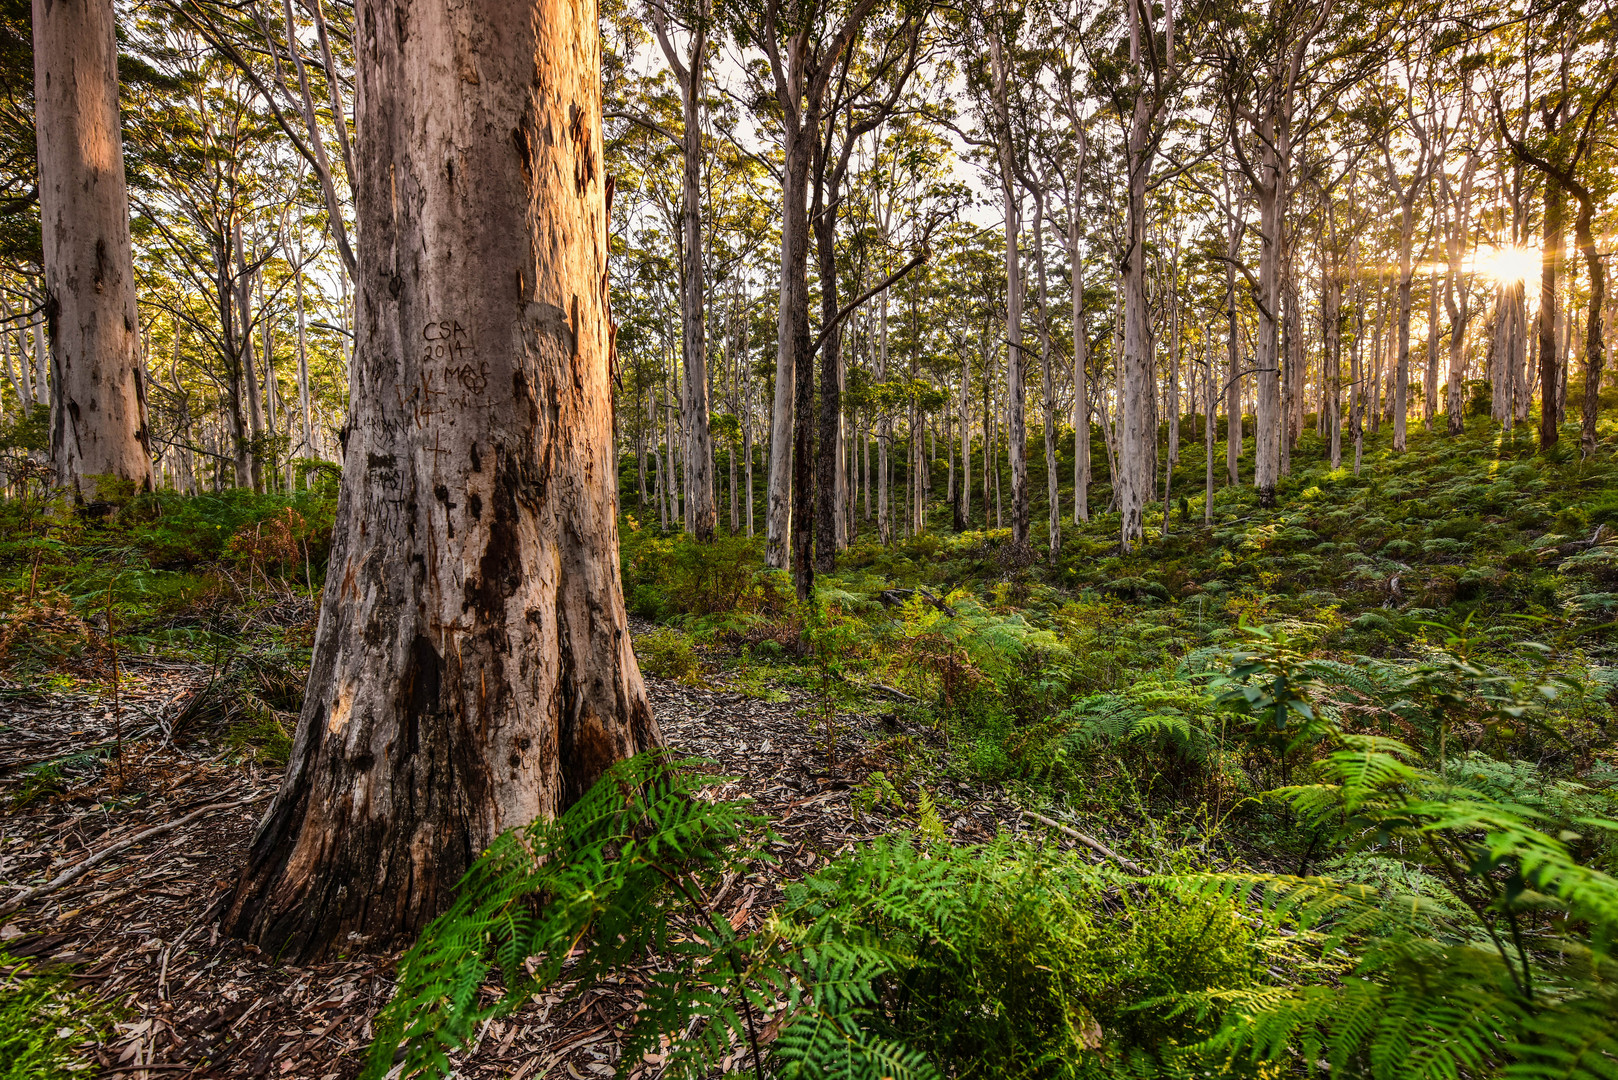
(1061, 540)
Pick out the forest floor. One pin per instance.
(164, 837)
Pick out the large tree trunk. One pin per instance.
(963, 505)
(1016, 395)
(1429, 381)
(803, 454)
(249, 366)
(700, 507)
(801, 73)
(747, 419)
(1291, 391)
(884, 438)
(1521, 391)
(230, 335)
(98, 423)
(990, 468)
(1173, 394)
(1207, 426)
(1457, 304)
(792, 311)
(472, 670)
(1331, 318)
(1356, 385)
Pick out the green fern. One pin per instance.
(1511, 977)
(608, 877)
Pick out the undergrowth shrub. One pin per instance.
(1166, 730)
(668, 654)
(1500, 962)
(896, 961)
(666, 576)
(268, 532)
(1039, 968)
(42, 632)
(45, 1024)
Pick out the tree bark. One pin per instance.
(1048, 387)
(1016, 420)
(1134, 481)
(1401, 386)
(1594, 331)
(1233, 376)
(1549, 376)
(98, 419)
(831, 377)
(1267, 416)
(1173, 395)
(963, 504)
(801, 71)
(254, 399)
(701, 507)
(1457, 304)
(1331, 317)
(1429, 382)
(1081, 387)
(794, 303)
(472, 669)
(884, 438)
(1207, 426)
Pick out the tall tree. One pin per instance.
(802, 44)
(98, 399)
(1406, 191)
(1274, 91)
(472, 669)
(1001, 28)
(697, 16)
(866, 92)
(1143, 93)
(1569, 116)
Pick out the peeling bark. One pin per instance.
(472, 669)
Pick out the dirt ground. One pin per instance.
(140, 927)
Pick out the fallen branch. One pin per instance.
(1090, 842)
(73, 873)
(900, 694)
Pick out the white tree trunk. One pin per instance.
(1401, 386)
(1016, 420)
(1048, 386)
(1134, 480)
(1081, 382)
(98, 421)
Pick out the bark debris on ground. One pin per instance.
(140, 928)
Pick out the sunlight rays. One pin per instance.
(1506, 265)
